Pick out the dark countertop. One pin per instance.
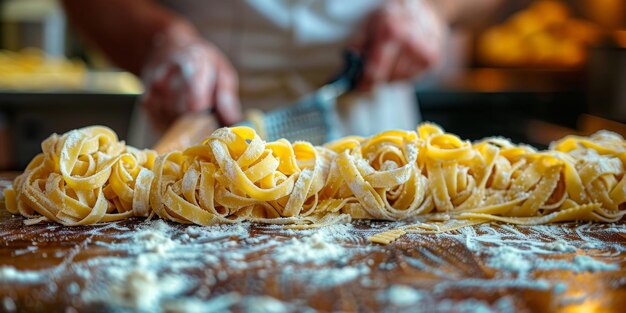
(163, 266)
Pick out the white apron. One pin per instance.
(284, 49)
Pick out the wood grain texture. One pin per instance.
(187, 130)
(72, 266)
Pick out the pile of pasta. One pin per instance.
(88, 176)
(32, 69)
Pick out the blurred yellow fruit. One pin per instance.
(543, 35)
(526, 23)
(582, 31)
(550, 12)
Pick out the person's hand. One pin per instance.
(401, 40)
(187, 74)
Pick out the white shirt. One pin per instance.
(284, 49)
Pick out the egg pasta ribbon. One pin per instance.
(88, 176)
(83, 177)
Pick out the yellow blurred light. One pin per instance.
(589, 306)
(620, 38)
(610, 14)
(542, 35)
(550, 11)
(527, 22)
(582, 31)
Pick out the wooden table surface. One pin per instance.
(153, 266)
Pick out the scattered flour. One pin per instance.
(218, 231)
(137, 289)
(264, 304)
(465, 306)
(8, 304)
(219, 303)
(537, 284)
(317, 249)
(407, 299)
(150, 279)
(337, 232)
(154, 237)
(11, 274)
(560, 246)
(226, 302)
(338, 276)
(152, 275)
(587, 263)
(509, 260)
(515, 252)
(73, 288)
(402, 296)
(325, 276)
(513, 261)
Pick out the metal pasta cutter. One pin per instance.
(314, 117)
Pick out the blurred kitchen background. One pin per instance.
(535, 71)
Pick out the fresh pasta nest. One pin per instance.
(88, 176)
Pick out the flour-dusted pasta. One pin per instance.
(32, 69)
(386, 237)
(87, 176)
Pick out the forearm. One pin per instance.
(126, 31)
(464, 13)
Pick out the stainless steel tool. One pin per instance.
(314, 117)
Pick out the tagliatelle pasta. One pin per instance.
(87, 176)
(386, 237)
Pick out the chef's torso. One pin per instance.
(283, 49)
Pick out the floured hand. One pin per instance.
(401, 40)
(187, 74)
